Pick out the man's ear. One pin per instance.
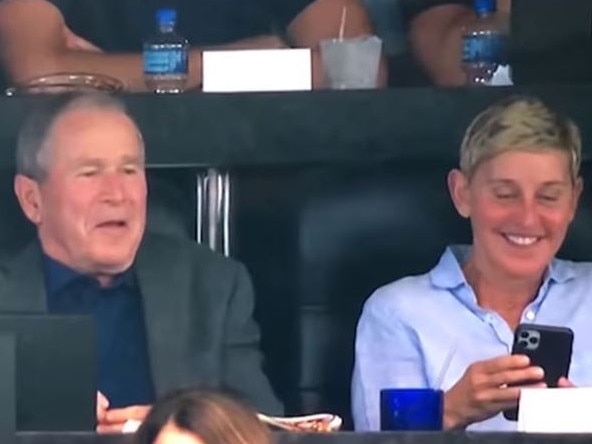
(29, 197)
(458, 187)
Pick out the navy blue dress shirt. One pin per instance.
(124, 369)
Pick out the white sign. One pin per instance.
(257, 70)
(555, 410)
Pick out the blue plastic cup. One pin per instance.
(411, 409)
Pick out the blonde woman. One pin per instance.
(519, 185)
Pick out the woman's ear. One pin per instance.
(29, 197)
(458, 187)
(578, 188)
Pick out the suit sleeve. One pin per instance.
(242, 357)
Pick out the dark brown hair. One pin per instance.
(213, 417)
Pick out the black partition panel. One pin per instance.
(259, 129)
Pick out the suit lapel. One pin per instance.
(165, 283)
(22, 283)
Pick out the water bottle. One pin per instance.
(165, 56)
(484, 46)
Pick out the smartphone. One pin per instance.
(548, 347)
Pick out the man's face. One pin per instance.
(90, 209)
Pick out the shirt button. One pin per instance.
(530, 315)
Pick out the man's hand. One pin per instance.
(486, 388)
(112, 421)
(102, 406)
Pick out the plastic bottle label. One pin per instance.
(484, 48)
(167, 61)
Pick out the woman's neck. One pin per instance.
(507, 296)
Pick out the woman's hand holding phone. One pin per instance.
(487, 388)
(548, 347)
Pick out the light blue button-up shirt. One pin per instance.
(409, 328)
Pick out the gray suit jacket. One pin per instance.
(198, 309)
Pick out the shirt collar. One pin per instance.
(560, 271)
(448, 274)
(58, 276)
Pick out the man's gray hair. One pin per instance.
(32, 153)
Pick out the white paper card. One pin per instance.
(555, 410)
(257, 70)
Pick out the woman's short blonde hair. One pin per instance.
(519, 123)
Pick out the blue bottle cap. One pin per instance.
(484, 6)
(166, 16)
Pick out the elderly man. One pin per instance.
(39, 37)
(169, 313)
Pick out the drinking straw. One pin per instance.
(342, 22)
(445, 366)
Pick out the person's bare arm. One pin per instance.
(35, 41)
(435, 40)
(321, 20)
(504, 6)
